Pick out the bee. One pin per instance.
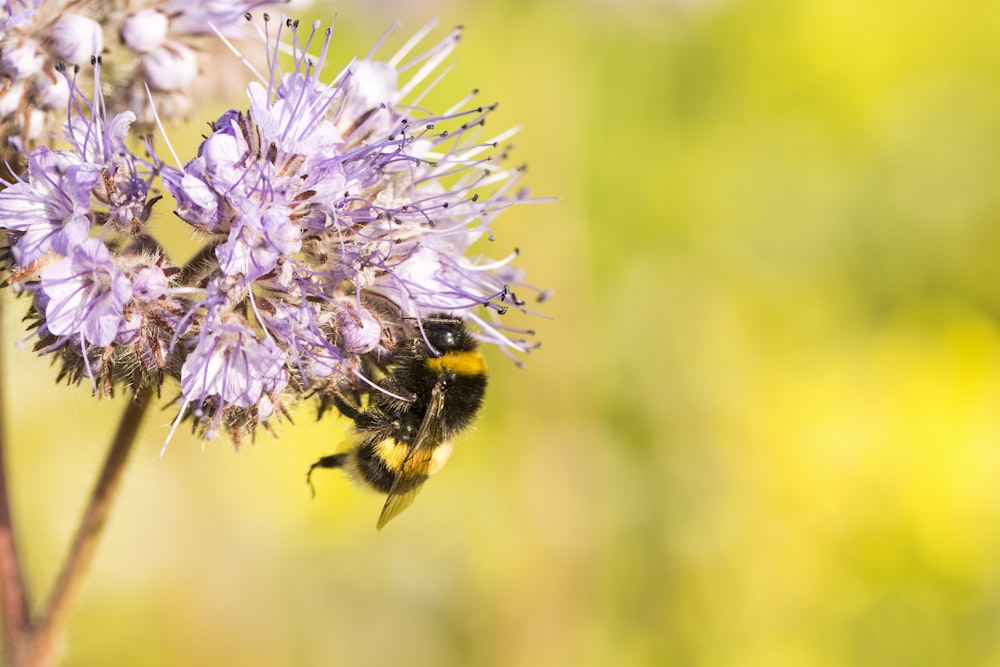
(432, 390)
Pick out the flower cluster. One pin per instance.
(334, 216)
(147, 44)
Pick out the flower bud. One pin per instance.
(11, 98)
(21, 59)
(358, 331)
(53, 90)
(173, 66)
(148, 283)
(145, 30)
(371, 85)
(76, 39)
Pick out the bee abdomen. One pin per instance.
(378, 464)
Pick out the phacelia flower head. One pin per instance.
(335, 215)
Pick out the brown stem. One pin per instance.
(38, 649)
(13, 600)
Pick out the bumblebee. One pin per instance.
(432, 390)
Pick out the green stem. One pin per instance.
(13, 600)
(38, 649)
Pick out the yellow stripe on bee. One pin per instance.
(464, 363)
(392, 453)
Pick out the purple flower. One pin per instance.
(49, 211)
(198, 203)
(124, 186)
(333, 217)
(99, 181)
(85, 295)
(256, 242)
(230, 364)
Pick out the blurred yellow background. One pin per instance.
(764, 425)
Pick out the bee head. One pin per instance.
(446, 334)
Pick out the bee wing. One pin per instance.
(413, 471)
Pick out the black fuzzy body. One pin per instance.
(440, 370)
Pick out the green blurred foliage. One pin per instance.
(764, 426)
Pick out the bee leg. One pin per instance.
(346, 408)
(332, 461)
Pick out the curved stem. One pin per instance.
(39, 647)
(13, 600)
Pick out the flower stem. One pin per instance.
(38, 649)
(13, 600)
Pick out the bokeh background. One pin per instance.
(764, 425)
